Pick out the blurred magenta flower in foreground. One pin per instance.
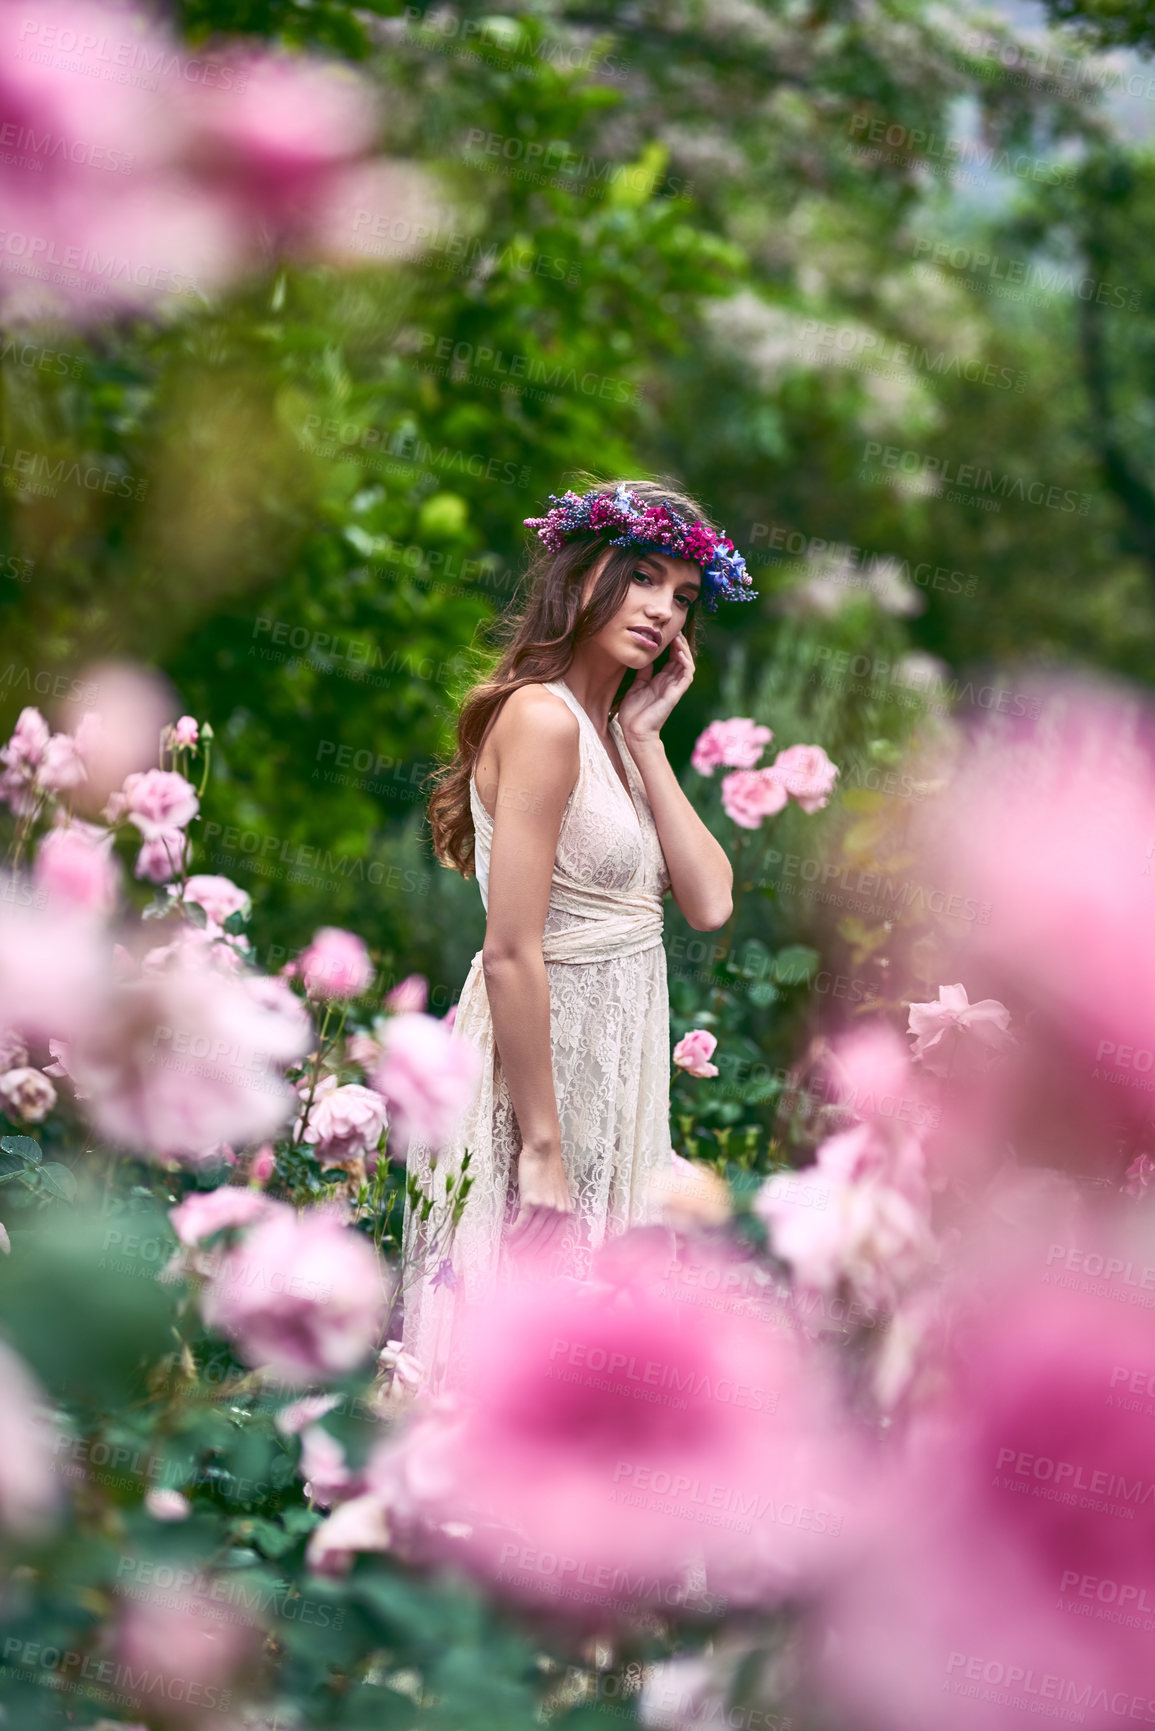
(426, 1076)
(947, 1030)
(335, 965)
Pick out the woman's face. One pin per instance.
(654, 609)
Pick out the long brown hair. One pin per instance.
(542, 634)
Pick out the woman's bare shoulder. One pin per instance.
(532, 712)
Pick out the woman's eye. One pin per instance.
(642, 577)
(686, 601)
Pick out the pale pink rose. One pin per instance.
(219, 897)
(361, 1524)
(409, 997)
(303, 1297)
(27, 1094)
(284, 1011)
(346, 1124)
(162, 857)
(363, 1049)
(164, 1504)
(807, 774)
(178, 1060)
(694, 1051)
(186, 732)
(159, 801)
(61, 767)
(54, 964)
(335, 965)
(551, 1468)
(1021, 1497)
(949, 1031)
(427, 1076)
(76, 865)
(737, 743)
(323, 1467)
(749, 795)
(204, 1212)
(13, 1051)
(1139, 1175)
(175, 1647)
(24, 752)
(29, 1494)
(118, 736)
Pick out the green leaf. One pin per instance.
(24, 1147)
(195, 914)
(59, 1181)
(236, 923)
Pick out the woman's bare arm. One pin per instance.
(535, 743)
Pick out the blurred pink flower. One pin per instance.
(303, 1297)
(204, 1212)
(29, 1493)
(26, 1094)
(335, 965)
(62, 766)
(22, 757)
(164, 1504)
(117, 729)
(807, 774)
(220, 897)
(738, 743)
(179, 1059)
(158, 801)
(749, 795)
(1139, 1175)
(323, 1466)
(181, 1652)
(361, 1524)
(54, 963)
(346, 1124)
(1025, 1496)
(263, 1164)
(13, 1051)
(427, 1076)
(949, 1031)
(871, 1075)
(162, 857)
(409, 997)
(591, 1426)
(292, 1419)
(407, 1374)
(363, 1049)
(694, 1051)
(75, 865)
(186, 732)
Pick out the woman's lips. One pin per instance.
(650, 638)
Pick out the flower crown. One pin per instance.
(654, 529)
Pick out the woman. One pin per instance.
(561, 800)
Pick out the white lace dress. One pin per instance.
(610, 1041)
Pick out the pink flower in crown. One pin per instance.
(952, 1030)
(335, 965)
(158, 801)
(220, 898)
(694, 1051)
(186, 731)
(411, 994)
(428, 1077)
(807, 774)
(301, 1296)
(26, 1094)
(346, 1123)
(76, 865)
(737, 743)
(749, 795)
(163, 856)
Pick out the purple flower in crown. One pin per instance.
(650, 529)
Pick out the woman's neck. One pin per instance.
(594, 677)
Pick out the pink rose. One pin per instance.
(263, 1164)
(185, 732)
(953, 1032)
(738, 743)
(694, 1051)
(176, 1649)
(29, 1489)
(27, 1094)
(158, 801)
(427, 1076)
(61, 767)
(749, 795)
(323, 1467)
(76, 865)
(335, 965)
(1139, 1175)
(120, 735)
(303, 1297)
(207, 1211)
(13, 1051)
(807, 774)
(410, 996)
(162, 857)
(346, 1124)
(25, 750)
(363, 1049)
(219, 897)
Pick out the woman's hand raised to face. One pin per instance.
(652, 696)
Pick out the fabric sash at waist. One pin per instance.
(606, 924)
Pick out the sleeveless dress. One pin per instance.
(610, 1044)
